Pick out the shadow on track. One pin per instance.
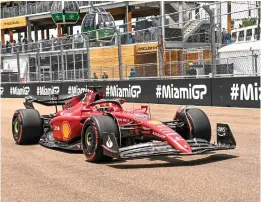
(175, 162)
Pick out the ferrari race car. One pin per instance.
(103, 130)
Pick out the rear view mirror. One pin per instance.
(122, 101)
(144, 107)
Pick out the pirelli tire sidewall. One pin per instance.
(27, 126)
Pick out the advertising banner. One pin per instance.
(138, 91)
(227, 92)
(184, 92)
(48, 88)
(16, 90)
(236, 92)
(145, 48)
(13, 22)
(77, 88)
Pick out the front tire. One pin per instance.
(92, 137)
(27, 126)
(201, 127)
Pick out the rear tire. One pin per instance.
(199, 121)
(92, 137)
(27, 126)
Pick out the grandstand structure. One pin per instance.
(155, 38)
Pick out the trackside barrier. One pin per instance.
(229, 92)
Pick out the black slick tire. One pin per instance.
(199, 122)
(27, 127)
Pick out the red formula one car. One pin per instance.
(104, 130)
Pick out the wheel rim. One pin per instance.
(16, 128)
(90, 141)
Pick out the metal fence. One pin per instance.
(187, 45)
(29, 8)
(249, 66)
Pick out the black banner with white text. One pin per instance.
(236, 92)
(184, 92)
(229, 92)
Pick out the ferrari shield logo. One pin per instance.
(66, 130)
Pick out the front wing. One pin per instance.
(225, 141)
(198, 146)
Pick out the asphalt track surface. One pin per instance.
(35, 173)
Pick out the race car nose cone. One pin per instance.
(180, 144)
(188, 150)
(185, 149)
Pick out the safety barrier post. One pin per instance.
(88, 57)
(62, 59)
(119, 53)
(18, 64)
(212, 38)
(160, 48)
(38, 63)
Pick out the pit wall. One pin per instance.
(225, 92)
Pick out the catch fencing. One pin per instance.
(183, 43)
(30, 7)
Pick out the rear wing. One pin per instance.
(52, 100)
